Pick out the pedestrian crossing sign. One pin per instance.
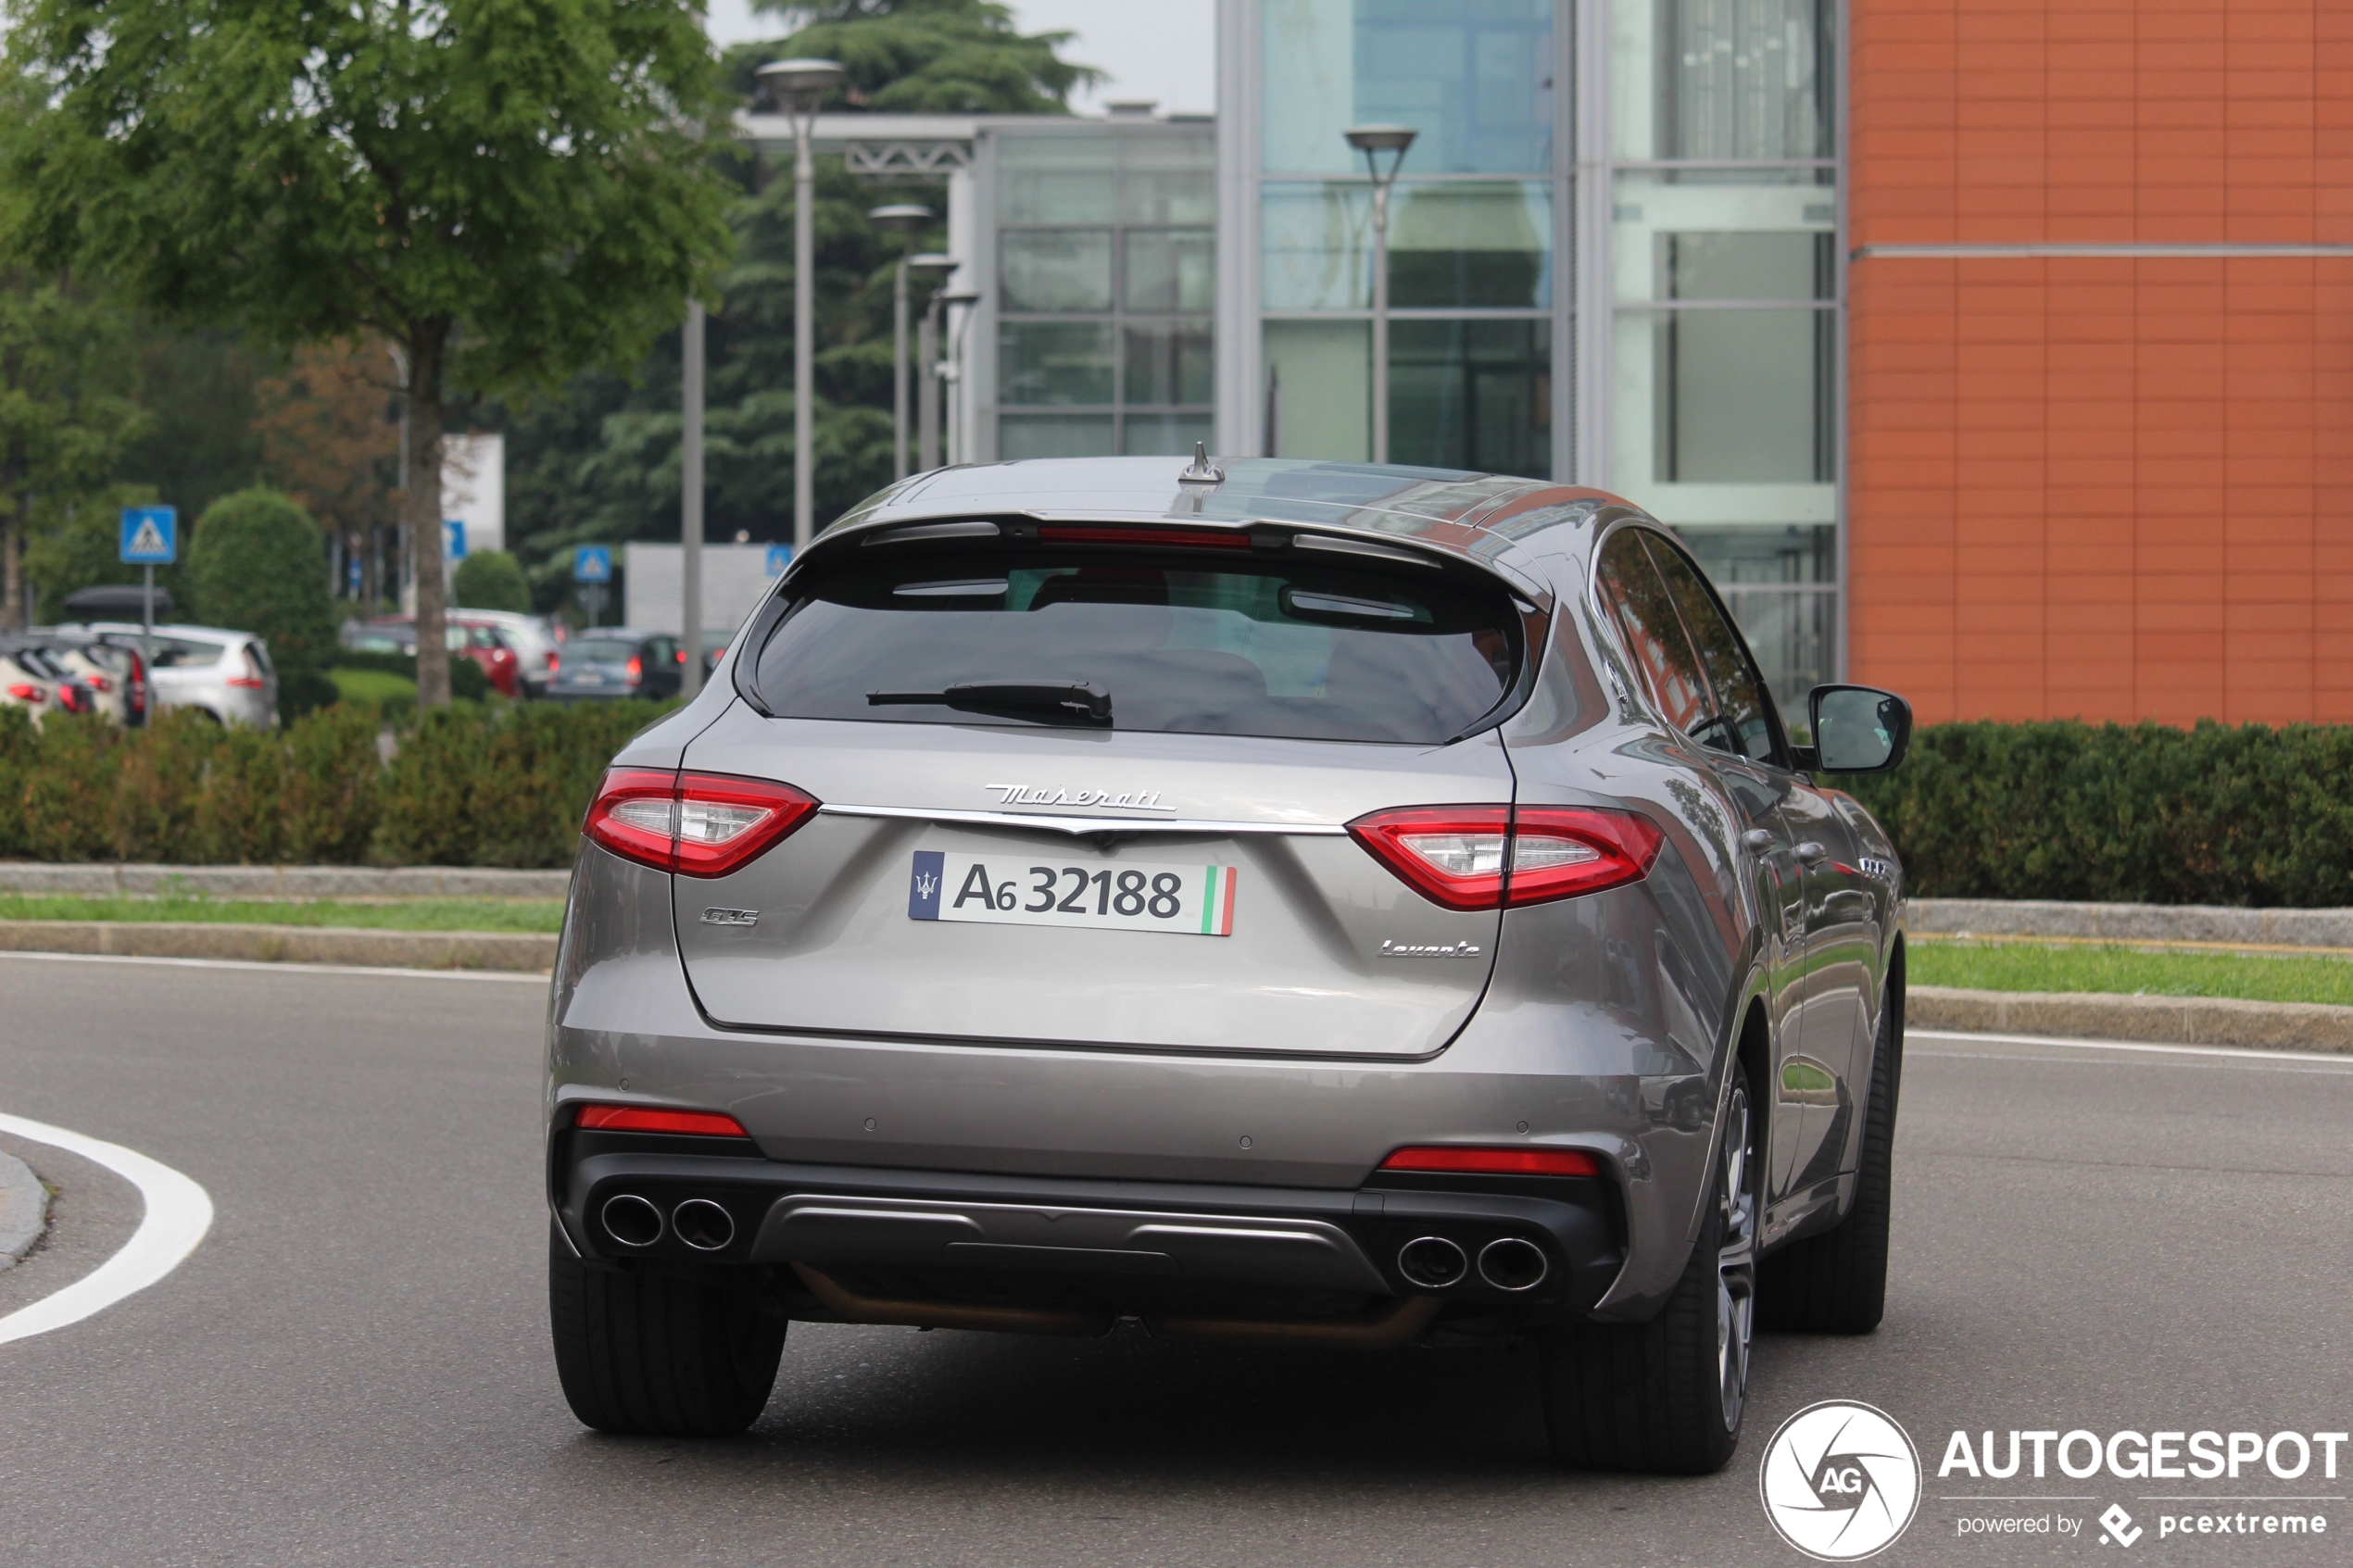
(150, 536)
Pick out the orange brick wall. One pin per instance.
(2119, 487)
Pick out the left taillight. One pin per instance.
(696, 824)
(1494, 856)
(252, 679)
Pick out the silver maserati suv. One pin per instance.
(1521, 985)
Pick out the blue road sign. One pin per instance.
(779, 557)
(453, 538)
(592, 563)
(150, 536)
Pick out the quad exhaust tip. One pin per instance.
(632, 1221)
(1512, 1264)
(702, 1224)
(1432, 1262)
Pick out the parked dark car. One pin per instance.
(617, 661)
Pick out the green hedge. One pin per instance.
(466, 679)
(2145, 813)
(468, 786)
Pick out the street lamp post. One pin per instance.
(927, 369)
(1373, 141)
(691, 504)
(903, 218)
(797, 87)
(952, 371)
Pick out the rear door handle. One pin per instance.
(1810, 853)
(1757, 841)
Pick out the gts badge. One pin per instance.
(1389, 949)
(731, 917)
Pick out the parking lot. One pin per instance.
(353, 1366)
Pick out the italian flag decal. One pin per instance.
(1217, 909)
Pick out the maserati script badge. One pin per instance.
(1126, 801)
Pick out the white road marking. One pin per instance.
(178, 1212)
(2337, 1058)
(286, 968)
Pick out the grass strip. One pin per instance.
(2031, 966)
(408, 914)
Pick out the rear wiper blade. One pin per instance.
(1067, 702)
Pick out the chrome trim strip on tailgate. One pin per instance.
(1079, 826)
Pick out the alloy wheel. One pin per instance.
(1735, 1258)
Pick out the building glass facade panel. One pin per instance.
(1725, 355)
(1473, 339)
(1106, 268)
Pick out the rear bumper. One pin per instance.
(1101, 1248)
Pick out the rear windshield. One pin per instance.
(598, 651)
(1281, 648)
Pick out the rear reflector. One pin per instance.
(696, 824)
(1181, 538)
(1450, 1159)
(646, 1118)
(1494, 856)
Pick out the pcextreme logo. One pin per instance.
(1840, 1481)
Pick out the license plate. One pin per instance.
(1186, 900)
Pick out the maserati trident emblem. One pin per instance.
(1125, 800)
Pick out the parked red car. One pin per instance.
(481, 641)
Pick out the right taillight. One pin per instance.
(696, 824)
(1496, 856)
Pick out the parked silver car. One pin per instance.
(1520, 983)
(223, 673)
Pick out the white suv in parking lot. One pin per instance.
(223, 673)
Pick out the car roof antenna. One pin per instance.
(1201, 471)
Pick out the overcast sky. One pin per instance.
(1159, 49)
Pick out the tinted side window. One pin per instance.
(1635, 596)
(1744, 726)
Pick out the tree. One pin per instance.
(328, 437)
(65, 412)
(490, 580)
(508, 191)
(599, 462)
(925, 56)
(255, 565)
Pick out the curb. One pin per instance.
(285, 882)
(529, 952)
(24, 1210)
(2189, 1020)
(2133, 923)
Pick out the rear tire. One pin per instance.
(1836, 1283)
(644, 1354)
(1666, 1396)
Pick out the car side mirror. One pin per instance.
(1856, 730)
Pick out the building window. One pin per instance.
(1471, 285)
(1725, 354)
(1106, 268)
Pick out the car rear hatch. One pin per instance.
(1003, 863)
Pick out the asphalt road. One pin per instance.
(353, 1367)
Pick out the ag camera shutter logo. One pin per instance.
(1840, 1481)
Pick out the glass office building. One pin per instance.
(1614, 259)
